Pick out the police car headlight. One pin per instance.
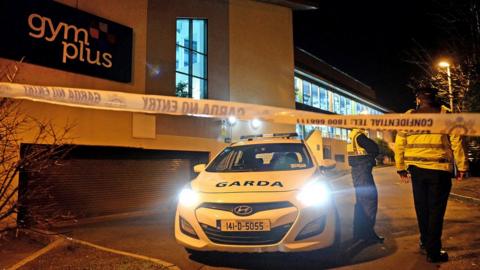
(314, 194)
(188, 197)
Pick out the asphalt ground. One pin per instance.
(153, 236)
(467, 190)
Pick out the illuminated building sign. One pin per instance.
(54, 35)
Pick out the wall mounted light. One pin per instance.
(255, 123)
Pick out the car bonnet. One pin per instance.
(271, 181)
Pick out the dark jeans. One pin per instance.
(430, 194)
(366, 199)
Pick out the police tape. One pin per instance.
(458, 124)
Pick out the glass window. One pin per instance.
(191, 58)
(344, 134)
(262, 157)
(198, 61)
(331, 132)
(338, 133)
(348, 105)
(330, 101)
(183, 32)
(183, 60)
(198, 36)
(307, 94)
(315, 98)
(181, 85)
(336, 103)
(343, 109)
(298, 90)
(354, 107)
(308, 129)
(323, 99)
(198, 88)
(360, 108)
(299, 130)
(327, 152)
(324, 130)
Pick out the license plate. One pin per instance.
(249, 225)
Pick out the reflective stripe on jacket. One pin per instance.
(353, 148)
(429, 151)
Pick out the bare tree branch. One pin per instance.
(47, 144)
(459, 22)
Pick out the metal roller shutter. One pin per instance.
(95, 181)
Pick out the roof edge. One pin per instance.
(294, 4)
(333, 67)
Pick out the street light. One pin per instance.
(445, 64)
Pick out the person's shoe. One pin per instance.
(373, 239)
(442, 256)
(421, 245)
(377, 238)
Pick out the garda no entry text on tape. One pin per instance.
(459, 124)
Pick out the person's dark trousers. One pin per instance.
(366, 198)
(430, 194)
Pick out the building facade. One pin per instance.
(236, 50)
(322, 88)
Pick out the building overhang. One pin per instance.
(295, 4)
(314, 68)
(341, 90)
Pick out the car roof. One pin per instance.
(266, 141)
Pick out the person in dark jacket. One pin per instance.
(361, 157)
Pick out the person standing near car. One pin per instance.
(361, 157)
(429, 160)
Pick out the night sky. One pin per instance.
(371, 41)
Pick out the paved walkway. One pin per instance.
(468, 188)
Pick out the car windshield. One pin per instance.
(262, 157)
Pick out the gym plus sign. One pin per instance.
(76, 49)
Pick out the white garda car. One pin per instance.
(258, 195)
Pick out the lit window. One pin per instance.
(324, 99)
(348, 105)
(191, 58)
(331, 132)
(336, 103)
(354, 107)
(330, 101)
(359, 108)
(307, 94)
(315, 99)
(298, 90)
(344, 134)
(299, 130)
(338, 133)
(324, 131)
(342, 105)
(308, 129)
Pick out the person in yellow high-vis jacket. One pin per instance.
(429, 159)
(361, 157)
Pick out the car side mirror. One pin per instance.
(199, 168)
(327, 164)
